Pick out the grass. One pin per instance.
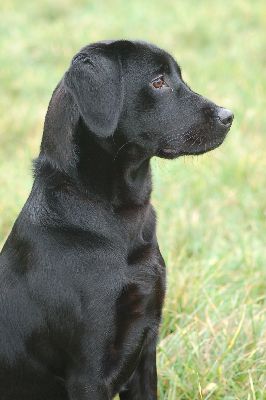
(211, 209)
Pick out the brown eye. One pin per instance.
(159, 83)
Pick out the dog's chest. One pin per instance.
(143, 291)
(137, 314)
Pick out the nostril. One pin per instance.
(228, 120)
(225, 116)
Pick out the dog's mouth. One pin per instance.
(168, 153)
(194, 146)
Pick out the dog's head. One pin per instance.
(133, 92)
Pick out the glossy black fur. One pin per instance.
(82, 280)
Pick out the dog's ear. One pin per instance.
(95, 81)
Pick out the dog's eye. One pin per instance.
(159, 83)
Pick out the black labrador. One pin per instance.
(82, 278)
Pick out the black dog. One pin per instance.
(82, 278)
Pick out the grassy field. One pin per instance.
(211, 209)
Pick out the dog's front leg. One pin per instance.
(143, 383)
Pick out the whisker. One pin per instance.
(120, 148)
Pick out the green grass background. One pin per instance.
(211, 209)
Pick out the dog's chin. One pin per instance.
(194, 149)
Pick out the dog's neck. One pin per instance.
(100, 170)
(116, 173)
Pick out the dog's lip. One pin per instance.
(169, 152)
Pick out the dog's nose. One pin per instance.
(225, 116)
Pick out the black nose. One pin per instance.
(225, 116)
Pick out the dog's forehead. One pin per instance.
(151, 52)
(134, 51)
(136, 56)
(144, 55)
